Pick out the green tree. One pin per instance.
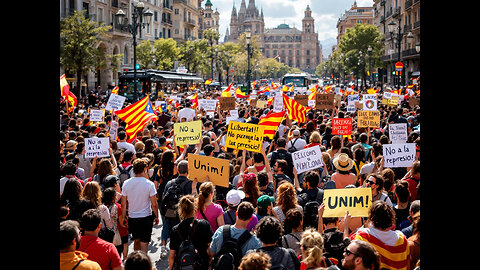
(78, 39)
(145, 54)
(194, 54)
(165, 53)
(354, 47)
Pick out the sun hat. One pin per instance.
(342, 162)
(234, 197)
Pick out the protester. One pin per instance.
(70, 240)
(286, 200)
(138, 260)
(292, 230)
(142, 205)
(375, 182)
(343, 177)
(255, 261)
(360, 255)
(206, 208)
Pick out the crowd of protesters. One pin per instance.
(269, 217)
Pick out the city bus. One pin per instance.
(152, 81)
(302, 81)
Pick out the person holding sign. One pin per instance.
(392, 245)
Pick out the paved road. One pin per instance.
(154, 248)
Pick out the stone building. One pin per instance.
(289, 45)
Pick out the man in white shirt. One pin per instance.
(296, 141)
(122, 142)
(187, 113)
(141, 196)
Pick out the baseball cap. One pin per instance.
(296, 132)
(234, 197)
(264, 201)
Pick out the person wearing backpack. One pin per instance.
(310, 197)
(296, 142)
(190, 239)
(174, 190)
(269, 230)
(231, 243)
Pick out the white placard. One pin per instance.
(230, 118)
(115, 102)
(278, 102)
(234, 113)
(97, 147)
(398, 133)
(370, 102)
(307, 159)
(96, 115)
(399, 155)
(208, 104)
(113, 130)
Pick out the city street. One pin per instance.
(154, 248)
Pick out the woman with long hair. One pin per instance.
(311, 246)
(206, 208)
(93, 193)
(286, 200)
(251, 189)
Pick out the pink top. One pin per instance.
(343, 180)
(212, 211)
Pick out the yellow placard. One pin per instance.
(355, 200)
(368, 119)
(217, 169)
(188, 132)
(244, 136)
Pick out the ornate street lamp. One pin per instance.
(140, 19)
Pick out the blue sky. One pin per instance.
(291, 12)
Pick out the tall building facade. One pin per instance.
(406, 14)
(211, 19)
(354, 15)
(289, 45)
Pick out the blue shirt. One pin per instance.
(217, 240)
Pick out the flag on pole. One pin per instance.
(137, 116)
(296, 111)
(271, 121)
(226, 92)
(70, 98)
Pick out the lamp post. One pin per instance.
(140, 19)
(247, 35)
(370, 50)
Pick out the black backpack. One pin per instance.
(187, 256)
(124, 173)
(230, 254)
(310, 209)
(292, 148)
(169, 202)
(282, 262)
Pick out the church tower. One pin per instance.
(308, 22)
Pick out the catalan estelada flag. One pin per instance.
(271, 121)
(209, 81)
(395, 256)
(70, 98)
(296, 111)
(137, 116)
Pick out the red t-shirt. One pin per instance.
(412, 187)
(100, 251)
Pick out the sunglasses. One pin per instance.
(370, 182)
(348, 252)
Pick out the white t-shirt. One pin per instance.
(299, 143)
(188, 113)
(138, 191)
(126, 145)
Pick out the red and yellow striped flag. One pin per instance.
(271, 121)
(137, 116)
(115, 90)
(296, 111)
(391, 257)
(209, 81)
(226, 92)
(70, 98)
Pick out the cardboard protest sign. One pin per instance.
(325, 101)
(370, 102)
(307, 159)
(413, 102)
(227, 103)
(368, 119)
(398, 133)
(217, 169)
(115, 102)
(355, 200)
(188, 132)
(342, 126)
(302, 99)
(244, 136)
(97, 147)
(96, 115)
(399, 155)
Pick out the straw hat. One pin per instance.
(342, 162)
